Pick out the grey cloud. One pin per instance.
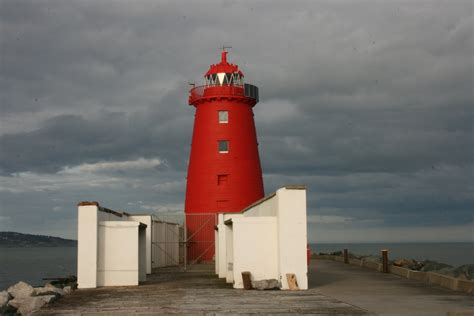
(368, 103)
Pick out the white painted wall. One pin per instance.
(224, 252)
(229, 236)
(87, 236)
(268, 239)
(116, 248)
(292, 236)
(255, 249)
(119, 253)
(221, 261)
(147, 220)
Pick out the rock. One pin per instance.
(408, 263)
(27, 304)
(434, 266)
(54, 289)
(467, 270)
(270, 284)
(402, 262)
(21, 289)
(40, 291)
(8, 310)
(67, 289)
(4, 298)
(48, 298)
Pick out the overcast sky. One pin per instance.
(367, 103)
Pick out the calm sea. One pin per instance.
(455, 254)
(33, 264)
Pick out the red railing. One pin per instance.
(215, 90)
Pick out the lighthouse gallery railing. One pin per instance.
(246, 90)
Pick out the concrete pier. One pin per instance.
(334, 289)
(386, 294)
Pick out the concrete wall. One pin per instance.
(255, 249)
(87, 237)
(292, 236)
(147, 220)
(229, 253)
(115, 248)
(268, 239)
(222, 259)
(119, 258)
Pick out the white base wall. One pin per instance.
(268, 239)
(254, 249)
(116, 248)
(119, 253)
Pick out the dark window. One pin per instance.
(223, 146)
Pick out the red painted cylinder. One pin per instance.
(224, 172)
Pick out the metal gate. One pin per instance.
(183, 239)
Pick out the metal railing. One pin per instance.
(247, 90)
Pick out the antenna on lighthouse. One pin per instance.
(224, 53)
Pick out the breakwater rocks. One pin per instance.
(24, 299)
(464, 272)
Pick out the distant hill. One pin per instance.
(13, 239)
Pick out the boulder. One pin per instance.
(27, 305)
(54, 289)
(48, 298)
(4, 298)
(434, 266)
(467, 270)
(67, 289)
(21, 289)
(408, 263)
(40, 291)
(270, 284)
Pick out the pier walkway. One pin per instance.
(386, 294)
(335, 289)
(194, 293)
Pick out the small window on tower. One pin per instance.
(223, 146)
(221, 179)
(223, 117)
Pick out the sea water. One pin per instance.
(32, 264)
(455, 254)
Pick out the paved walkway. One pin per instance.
(386, 294)
(335, 289)
(195, 293)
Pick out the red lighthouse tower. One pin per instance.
(224, 172)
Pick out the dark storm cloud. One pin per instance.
(369, 104)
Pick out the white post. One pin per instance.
(292, 236)
(87, 234)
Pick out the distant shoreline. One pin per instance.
(20, 240)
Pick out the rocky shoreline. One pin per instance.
(24, 299)
(463, 272)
